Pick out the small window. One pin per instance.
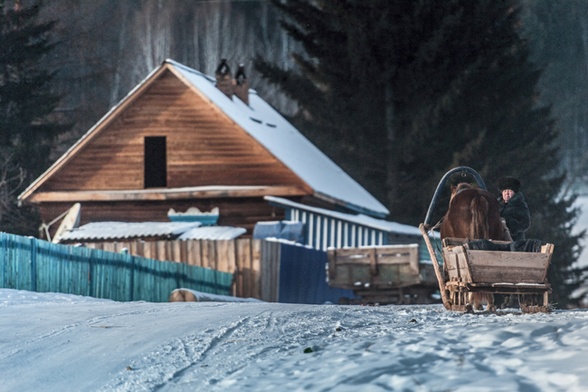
(155, 162)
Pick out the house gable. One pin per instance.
(204, 147)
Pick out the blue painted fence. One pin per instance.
(303, 277)
(30, 264)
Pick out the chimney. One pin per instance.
(241, 88)
(223, 78)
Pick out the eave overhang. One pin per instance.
(161, 194)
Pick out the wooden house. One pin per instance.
(182, 139)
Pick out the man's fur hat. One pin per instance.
(509, 183)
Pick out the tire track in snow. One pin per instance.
(195, 357)
(310, 331)
(184, 363)
(198, 367)
(172, 361)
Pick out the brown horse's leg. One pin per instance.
(476, 301)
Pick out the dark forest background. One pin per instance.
(396, 92)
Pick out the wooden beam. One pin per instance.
(438, 273)
(167, 194)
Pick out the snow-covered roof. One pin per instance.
(286, 143)
(127, 230)
(105, 231)
(213, 233)
(359, 219)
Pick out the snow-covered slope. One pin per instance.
(57, 342)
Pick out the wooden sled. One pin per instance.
(465, 271)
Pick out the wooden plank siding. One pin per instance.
(204, 147)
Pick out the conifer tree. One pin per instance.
(557, 31)
(400, 92)
(27, 104)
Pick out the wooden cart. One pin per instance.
(465, 271)
(386, 274)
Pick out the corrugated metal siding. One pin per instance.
(323, 232)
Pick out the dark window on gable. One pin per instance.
(155, 162)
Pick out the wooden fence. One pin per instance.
(35, 265)
(240, 257)
(271, 259)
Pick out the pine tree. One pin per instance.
(557, 32)
(27, 104)
(340, 97)
(400, 92)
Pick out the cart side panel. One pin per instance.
(382, 266)
(548, 249)
(397, 266)
(507, 267)
(347, 266)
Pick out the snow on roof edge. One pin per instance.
(362, 219)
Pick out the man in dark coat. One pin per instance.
(513, 207)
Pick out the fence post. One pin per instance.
(270, 270)
(132, 278)
(91, 269)
(33, 250)
(3, 260)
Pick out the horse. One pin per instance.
(473, 214)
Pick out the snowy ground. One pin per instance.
(58, 342)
